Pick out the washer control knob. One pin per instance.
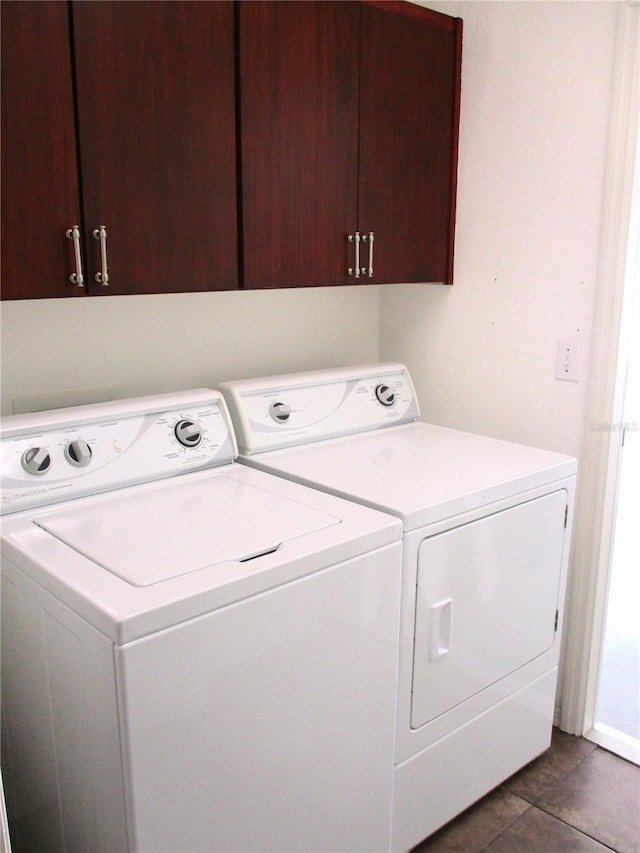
(385, 395)
(36, 460)
(188, 433)
(78, 453)
(280, 412)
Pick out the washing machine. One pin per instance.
(485, 547)
(196, 656)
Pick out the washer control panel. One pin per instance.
(283, 411)
(51, 456)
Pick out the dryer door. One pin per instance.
(487, 594)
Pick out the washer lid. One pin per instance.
(153, 536)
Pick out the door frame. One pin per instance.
(598, 477)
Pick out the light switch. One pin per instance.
(568, 361)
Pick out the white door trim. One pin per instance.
(598, 474)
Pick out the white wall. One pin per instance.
(129, 345)
(534, 116)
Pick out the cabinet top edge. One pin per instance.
(414, 10)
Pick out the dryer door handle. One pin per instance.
(440, 629)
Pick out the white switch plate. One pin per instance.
(568, 361)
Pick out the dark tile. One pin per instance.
(477, 826)
(564, 754)
(600, 797)
(538, 832)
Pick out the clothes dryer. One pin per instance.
(195, 655)
(485, 548)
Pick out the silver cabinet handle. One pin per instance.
(368, 238)
(355, 270)
(76, 277)
(102, 277)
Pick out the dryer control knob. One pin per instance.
(188, 433)
(385, 395)
(280, 412)
(36, 460)
(78, 453)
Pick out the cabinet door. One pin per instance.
(156, 125)
(299, 114)
(40, 198)
(409, 108)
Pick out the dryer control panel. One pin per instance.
(283, 411)
(47, 457)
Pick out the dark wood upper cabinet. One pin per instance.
(40, 194)
(299, 140)
(126, 120)
(156, 124)
(155, 163)
(349, 127)
(409, 114)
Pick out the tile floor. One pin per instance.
(575, 798)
